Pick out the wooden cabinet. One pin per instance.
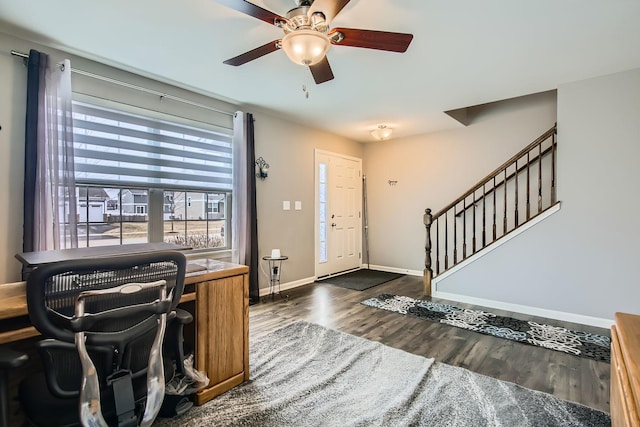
(221, 322)
(625, 371)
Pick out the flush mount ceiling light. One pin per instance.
(382, 132)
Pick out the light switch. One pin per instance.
(286, 205)
(298, 205)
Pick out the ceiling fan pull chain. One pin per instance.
(305, 84)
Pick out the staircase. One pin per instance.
(510, 197)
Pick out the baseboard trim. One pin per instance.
(525, 309)
(289, 285)
(393, 269)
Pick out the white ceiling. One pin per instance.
(464, 53)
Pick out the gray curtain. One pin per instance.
(245, 223)
(50, 203)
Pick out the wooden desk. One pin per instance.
(221, 293)
(625, 371)
(216, 292)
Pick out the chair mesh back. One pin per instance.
(115, 342)
(61, 290)
(138, 353)
(64, 363)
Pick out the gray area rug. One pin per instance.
(308, 375)
(362, 279)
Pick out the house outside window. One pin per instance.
(143, 178)
(112, 205)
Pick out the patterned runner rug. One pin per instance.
(579, 343)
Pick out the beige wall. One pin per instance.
(432, 170)
(289, 150)
(453, 160)
(581, 260)
(13, 85)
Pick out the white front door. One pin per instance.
(338, 213)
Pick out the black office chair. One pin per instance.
(9, 359)
(104, 321)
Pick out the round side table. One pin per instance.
(275, 268)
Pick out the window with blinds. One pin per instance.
(142, 178)
(115, 147)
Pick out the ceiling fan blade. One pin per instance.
(321, 71)
(252, 10)
(370, 39)
(330, 8)
(254, 54)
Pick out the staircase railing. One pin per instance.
(516, 192)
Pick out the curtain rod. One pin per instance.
(132, 86)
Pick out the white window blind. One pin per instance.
(115, 147)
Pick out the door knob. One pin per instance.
(333, 224)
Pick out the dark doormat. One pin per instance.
(360, 280)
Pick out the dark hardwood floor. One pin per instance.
(566, 376)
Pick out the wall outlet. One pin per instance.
(286, 205)
(298, 205)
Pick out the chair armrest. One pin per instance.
(183, 316)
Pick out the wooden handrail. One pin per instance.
(480, 183)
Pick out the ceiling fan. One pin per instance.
(307, 36)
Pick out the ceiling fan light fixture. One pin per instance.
(382, 132)
(306, 47)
